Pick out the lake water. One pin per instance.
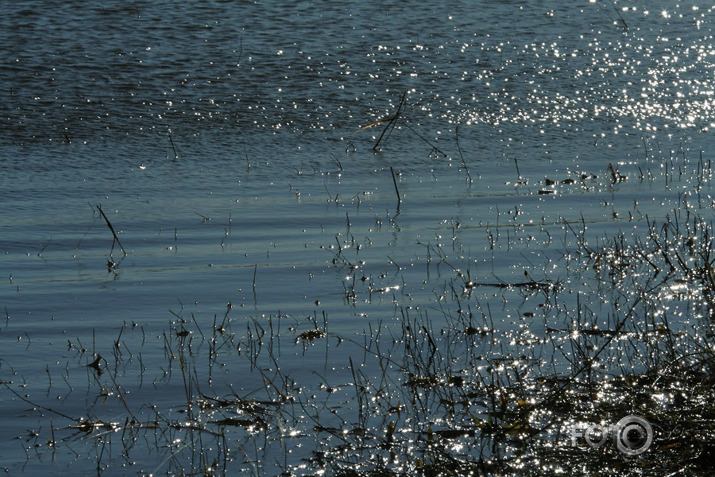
(237, 150)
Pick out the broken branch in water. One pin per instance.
(114, 234)
(390, 123)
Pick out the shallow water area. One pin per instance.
(243, 238)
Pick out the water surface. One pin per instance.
(231, 146)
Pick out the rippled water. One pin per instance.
(231, 147)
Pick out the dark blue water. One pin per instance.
(231, 145)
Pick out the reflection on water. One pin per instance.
(549, 252)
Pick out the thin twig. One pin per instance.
(171, 140)
(109, 224)
(434, 148)
(625, 25)
(390, 123)
(394, 181)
